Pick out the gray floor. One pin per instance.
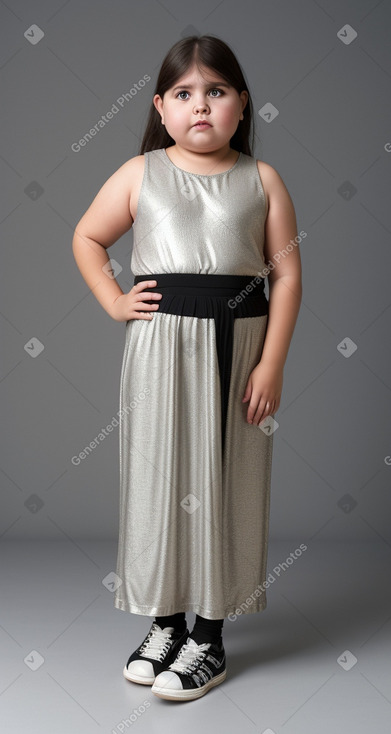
(316, 661)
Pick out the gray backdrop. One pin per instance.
(330, 141)
(317, 660)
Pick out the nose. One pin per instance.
(201, 105)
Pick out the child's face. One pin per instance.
(206, 97)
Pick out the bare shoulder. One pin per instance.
(132, 169)
(272, 182)
(111, 212)
(123, 178)
(125, 183)
(135, 163)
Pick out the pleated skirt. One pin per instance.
(194, 475)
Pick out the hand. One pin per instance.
(131, 305)
(263, 389)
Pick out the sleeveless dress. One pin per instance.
(193, 520)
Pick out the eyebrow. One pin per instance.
(209, 84)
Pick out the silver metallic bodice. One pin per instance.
(199, 223)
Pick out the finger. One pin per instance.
(251, 412)
(138, 289)
(145, 284)
(143, 306)
(261, 412)
(247, 393)
(147, 295)
(268, 410)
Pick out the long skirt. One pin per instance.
(194, 475)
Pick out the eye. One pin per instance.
(215, 89)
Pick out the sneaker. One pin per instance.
(196, 669)
(157, 650)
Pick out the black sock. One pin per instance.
(178, 621)
(206, 630)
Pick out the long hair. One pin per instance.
(205, 51)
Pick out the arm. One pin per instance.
(264, 385)
(285, 285)
(104, 222)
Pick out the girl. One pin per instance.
(202, 369)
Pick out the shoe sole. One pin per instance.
(189, 694)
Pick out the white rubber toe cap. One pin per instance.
(169, 680)
(142, 668)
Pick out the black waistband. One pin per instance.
(212, 282)
(193, 294)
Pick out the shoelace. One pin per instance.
(157, 644)
(188, 656)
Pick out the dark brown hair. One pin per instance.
(204, 51)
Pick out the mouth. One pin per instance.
(202, 124)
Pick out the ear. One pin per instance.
(244, 98)
(158, 102)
